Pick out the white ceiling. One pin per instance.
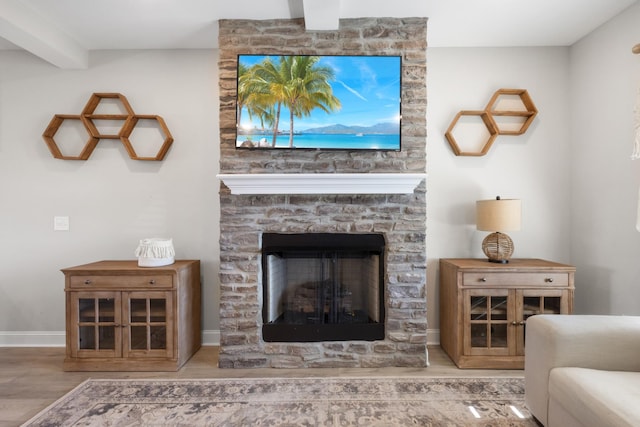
(64, 31)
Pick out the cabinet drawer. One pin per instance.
(515, 279)
(122, 282)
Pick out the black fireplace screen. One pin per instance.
(322, 287)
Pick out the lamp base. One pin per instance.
(498, 247)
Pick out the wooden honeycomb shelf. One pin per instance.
(498, 120)
(89, 117)
(488, 123)
(125, 136)
(51, 130)
(527, 113)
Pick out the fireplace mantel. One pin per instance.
(323, 183)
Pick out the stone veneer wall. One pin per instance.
(400, 217)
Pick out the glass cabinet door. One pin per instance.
(537, 301)
(148, 331)
(97, 327)
(487, 330)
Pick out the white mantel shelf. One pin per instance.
(322, 183)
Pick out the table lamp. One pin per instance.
(498, 216)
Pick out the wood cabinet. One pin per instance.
(121, 317)
(484, 307)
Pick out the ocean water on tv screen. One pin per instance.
(323, 141)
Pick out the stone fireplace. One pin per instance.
(397, 217)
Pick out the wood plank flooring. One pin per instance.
(32, 378)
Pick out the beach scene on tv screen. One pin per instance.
(318, 102)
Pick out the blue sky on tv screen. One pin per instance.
(368, 88)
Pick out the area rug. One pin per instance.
(380, 401)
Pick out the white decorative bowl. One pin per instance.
(155, 252)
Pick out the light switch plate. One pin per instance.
(60, 223)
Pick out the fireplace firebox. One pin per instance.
(323, 287)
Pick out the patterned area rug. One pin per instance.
(381, 401)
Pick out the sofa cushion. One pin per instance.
(597, 397)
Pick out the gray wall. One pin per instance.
(111, 200)
(534, 167)
(605, 89)
(571, 169)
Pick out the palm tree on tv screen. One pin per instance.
(241, 100)
(297, 82)
(258, 104)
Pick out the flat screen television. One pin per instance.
(322, 102)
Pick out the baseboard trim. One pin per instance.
(32, 339)
(211, 337)
(433, 337)
(57, 338)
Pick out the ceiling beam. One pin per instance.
(321, 15)
(26, 29)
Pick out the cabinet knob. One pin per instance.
(483, 279)
(549, 280)
(514, 323)
(152, 282)
(87, 282)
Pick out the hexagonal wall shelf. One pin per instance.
(512, 111)
(96, 123)
(462, 146)
(126, 137)
(54, 126)
(509, 112)
(91, 120)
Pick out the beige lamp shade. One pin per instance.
(498, 214)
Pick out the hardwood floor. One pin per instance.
(32, 378)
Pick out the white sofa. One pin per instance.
(583, 370)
